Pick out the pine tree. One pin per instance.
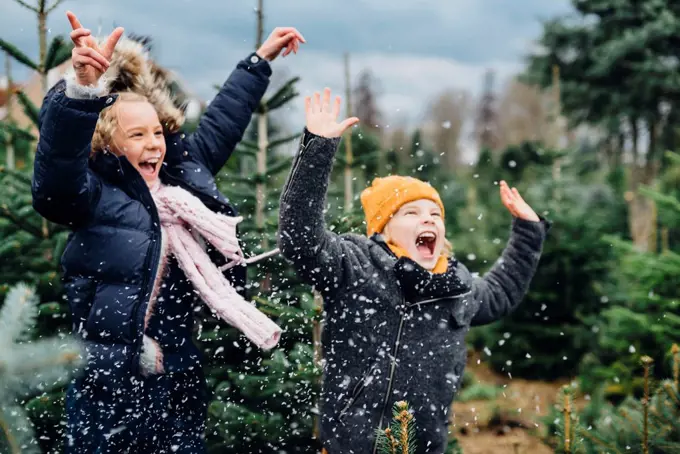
(569, 282)
(30, 368)
(263, 401)
(643, 313)
(648, 424)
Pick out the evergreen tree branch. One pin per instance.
(14, 430)
(15, 53)
(30, 109)
(55, 46)
(17, 314)
(35, 231)
(42, 364)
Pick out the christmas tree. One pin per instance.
(30, 368)
(643, 310)
(568, 286)
(648, 424)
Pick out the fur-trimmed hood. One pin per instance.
(132, 69)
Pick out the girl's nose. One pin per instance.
(155, 142)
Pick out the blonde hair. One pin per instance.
(109, 120)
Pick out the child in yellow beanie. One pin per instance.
(396, 305)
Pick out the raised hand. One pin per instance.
(282, 37)
(516, 204)
(89, 60)
(322, 118)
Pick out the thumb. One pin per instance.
(348, 123)
(110, 44)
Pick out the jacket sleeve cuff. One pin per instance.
(255, 63)
(76, 91)
(534, 231)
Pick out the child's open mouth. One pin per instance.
(149, 167)
(425, 243)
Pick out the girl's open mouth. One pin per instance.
(149, 167)
(425, 243)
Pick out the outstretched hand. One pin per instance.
(322, 118)
(516, 204)
(282, 37)
(89, 60)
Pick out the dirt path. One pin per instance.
(508, 424)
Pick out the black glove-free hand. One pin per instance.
(419, 284)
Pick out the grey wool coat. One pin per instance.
(392, 331)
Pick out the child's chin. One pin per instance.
(150, 179)
(428, 263)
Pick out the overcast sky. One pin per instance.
(416, 48)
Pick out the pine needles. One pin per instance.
(400, 436)
(27, 367)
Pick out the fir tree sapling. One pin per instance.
(650, 424)
(27, 367)
(400, 436)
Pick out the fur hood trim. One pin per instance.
(132, 69)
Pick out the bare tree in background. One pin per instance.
(487, 124)
(447, 115)
(365, 101)
(523, 114)
(399, 141)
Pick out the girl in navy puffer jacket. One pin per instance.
(150, 231)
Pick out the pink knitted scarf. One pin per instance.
(182, 217)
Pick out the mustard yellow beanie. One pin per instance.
(386, 195)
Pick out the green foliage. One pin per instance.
(478, 391)
(400, 436)
(550, 331)
(29, 369)
(263, 401)
(18, 55)
(613, 59)
(31, 248)
(650, 423)
(643, 311)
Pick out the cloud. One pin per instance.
(407, 82)
(415, 48)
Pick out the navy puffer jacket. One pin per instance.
(112, 255)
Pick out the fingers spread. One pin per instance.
(348, 123)
(336, 107)
(308, 105)
(326, 100)
(317, 102)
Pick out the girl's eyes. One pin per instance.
(159, 133)
(436, 213)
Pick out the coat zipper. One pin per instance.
(433, 300)
(395, 352)
(152, 261)
(393, 366)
